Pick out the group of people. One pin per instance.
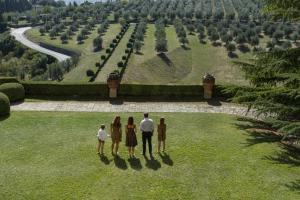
(146, 128)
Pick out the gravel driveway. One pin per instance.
(18, 33)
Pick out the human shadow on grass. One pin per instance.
(166, 159)
(104, 159)
(135, 163)
(120, 163)
(152, 163)
(259, 131)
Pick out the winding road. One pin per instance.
(19, 35)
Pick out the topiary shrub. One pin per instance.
(120, 64)
(111, 45)
(103, 57)
(97, 64)
(90, 73)
(127, 51)
(108, 51)
(4, 104)
(124, 57)
(131, 40)
(129, 45)
(118, 37)
(115, 41)
(14, 91)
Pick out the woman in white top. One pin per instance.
(102, 135)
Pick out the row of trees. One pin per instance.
(180, 31)
(161, 44)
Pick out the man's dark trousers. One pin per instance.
(147, 136)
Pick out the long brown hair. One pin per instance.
(130, 121)
(117, 121)
(162, 121)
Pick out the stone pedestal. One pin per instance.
(208, 86)
(113, 83)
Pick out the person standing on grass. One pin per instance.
(161, 134)
(131, 140)
(116, 135)
(147, 128)
(102, 135)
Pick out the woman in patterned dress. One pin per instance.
(131, 140)
(116, 134)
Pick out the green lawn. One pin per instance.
(112, 63)
(181, 65)
(88, 58)
(50, 155)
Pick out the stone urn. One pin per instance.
(208, 85)
(113, 83)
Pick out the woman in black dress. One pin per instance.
(131, 140)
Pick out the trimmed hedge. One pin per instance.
(135, 90)
(8, 80)
(14, 91)
(65, 89)
(4, 105)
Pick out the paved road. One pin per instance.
(18, 33)
(106, 106)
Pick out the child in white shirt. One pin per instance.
(102, 135)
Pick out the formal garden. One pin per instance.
(224, 74)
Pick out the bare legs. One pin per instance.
(100, 147)
(159, 146)
(113, 147)
(131, 151)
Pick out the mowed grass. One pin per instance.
(112, 63)
(50, 155)
(88, 57)
(182, 65)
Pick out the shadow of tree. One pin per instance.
(120, 163)
(259, 131)
(104, 159)
(288, 155)
(166, 159)
(165, 58)
(152, 163)
(135, 163)
(294, 186)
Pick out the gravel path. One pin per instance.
(18, 33)
(106, 106)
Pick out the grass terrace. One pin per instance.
(50, 155)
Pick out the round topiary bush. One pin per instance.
(115, 41)
(103, 57)
(129, 45)
(90, 73)
(97, 64)
(4, 105)
(127, 51)
(108, 51)
(120, 64)
(14, 91)
(124, 57)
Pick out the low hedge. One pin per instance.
(65, 89)
(4, 105)
(135, 90)
(8, 80)
(14, 91)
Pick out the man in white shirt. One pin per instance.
(147, 128)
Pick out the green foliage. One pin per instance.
(65, 89)
(276, 92)
(14, 91)
(97, 42)
(283, 8)
(4, 105)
